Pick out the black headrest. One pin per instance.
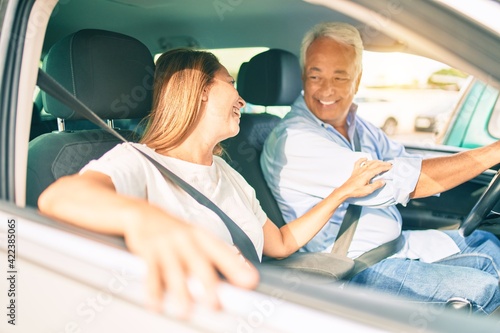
(271, 78)
(240, 81)
(109, 72)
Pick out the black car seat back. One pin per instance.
(271, 78)
(109, 72)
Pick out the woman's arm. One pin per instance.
(280, 243)
(173, 249)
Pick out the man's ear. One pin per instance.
(303, 75)
(358, 80)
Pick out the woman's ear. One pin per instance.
(204, 95)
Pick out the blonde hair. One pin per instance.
(342, 33)
(181, 77)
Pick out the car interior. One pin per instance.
(103, 52)
(85, 62)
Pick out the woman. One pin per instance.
(195, 107)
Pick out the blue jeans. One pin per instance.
(472, 274)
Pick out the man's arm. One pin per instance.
(443, 173)
(313, 166)
(282, 242)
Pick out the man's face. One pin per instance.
(330, 80)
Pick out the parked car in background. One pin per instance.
(65, 279)
(379, 111)
(401, 111)
(434, 120)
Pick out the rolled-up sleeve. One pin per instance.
(400, 182)
(316, 166)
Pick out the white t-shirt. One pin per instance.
(135, 176)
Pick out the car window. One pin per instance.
(406, 95)
(475, 121)
(413, 99)
(232, 58)
(494, 124)
(409, 97)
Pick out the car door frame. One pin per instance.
(13, 24)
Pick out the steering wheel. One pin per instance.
(482, 207)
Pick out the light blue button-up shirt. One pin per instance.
(305, 159)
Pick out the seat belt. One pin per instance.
(46, 83)
(351, 218)
(347, 230)
(376, 255)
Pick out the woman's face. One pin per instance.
(223, 104)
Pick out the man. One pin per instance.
(312, 151)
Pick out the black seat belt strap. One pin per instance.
(46, 83)
(351, 218)
(375, 255)
(240, 238)
(347, 230)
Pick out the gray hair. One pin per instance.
(342, 33)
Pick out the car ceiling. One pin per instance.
(164, 24)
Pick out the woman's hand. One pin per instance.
(280, 243)
(180, 256)
(360, 183)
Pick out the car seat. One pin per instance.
(271, 78)
(109, 72)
